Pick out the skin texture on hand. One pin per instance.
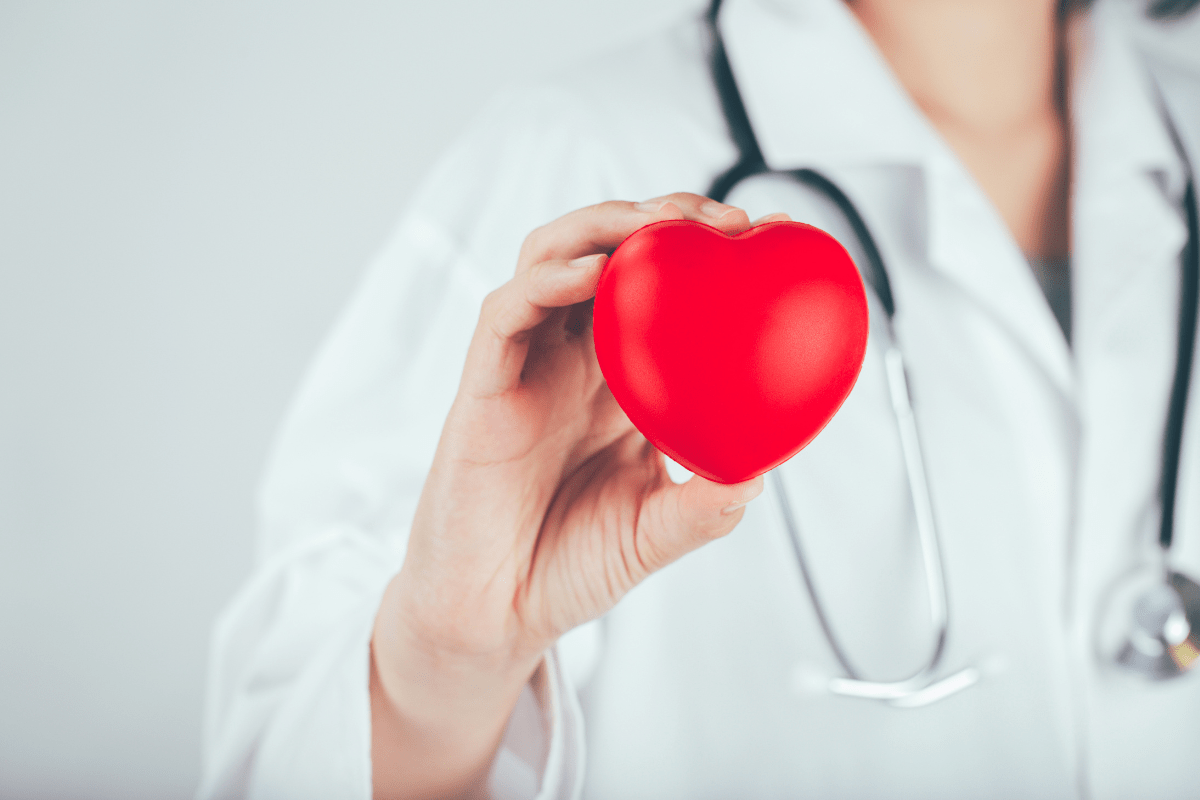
(544, 507)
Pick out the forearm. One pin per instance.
(437, 717)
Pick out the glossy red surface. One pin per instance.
(730, 353)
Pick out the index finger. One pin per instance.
(600, 228)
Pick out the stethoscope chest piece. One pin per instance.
(1151, 625)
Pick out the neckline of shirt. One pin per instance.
(793, 56)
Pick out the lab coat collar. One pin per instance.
(819, 93)
(815, 87)
(1115, 95)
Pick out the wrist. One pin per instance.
(437, 713)
(436, 677)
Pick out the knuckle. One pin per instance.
(594, 219)
(498, 312)
(648, 557)
(611, 207)
(685, 198)
(532, 245)
(491, 304)
(532, 287)
(503, 324)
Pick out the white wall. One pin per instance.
(187, 193)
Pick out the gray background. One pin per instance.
(188, 192)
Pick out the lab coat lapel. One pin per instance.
(819, 94)
(1176, 84)
(970, 244)
(815, 87)
(1128, 235)
(1127, 173)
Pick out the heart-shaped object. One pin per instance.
(730, 353)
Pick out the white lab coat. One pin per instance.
(1043, 458)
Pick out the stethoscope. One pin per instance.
(1150, 624)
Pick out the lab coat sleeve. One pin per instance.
(288, 705)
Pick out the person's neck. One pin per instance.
(989, 76)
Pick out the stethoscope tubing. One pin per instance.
(922, 687)
(750, 163)
(854, 685)
(1185, 349)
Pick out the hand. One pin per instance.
(543, 507)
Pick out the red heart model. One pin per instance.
(730, 353)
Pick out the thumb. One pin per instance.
(684, 516)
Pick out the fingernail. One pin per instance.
(714, 209)
(585, 261)
(650, 205)
(732, 507)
